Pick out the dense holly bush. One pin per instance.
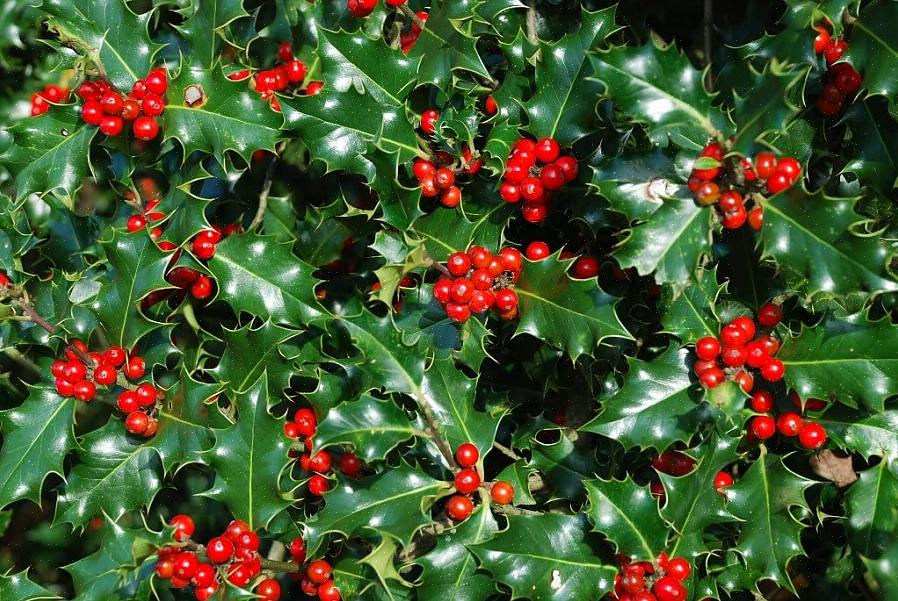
(475, 300)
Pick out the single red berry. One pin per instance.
(812, 436)
(146, 394)
(734, 219)
(762, 401)
(111, 103)
(165, 568)
(828, 108)
(762, 427)
(506, 300)
(778, 182)
(318, 571)
(429, 119)
(547, 150)
(586, 267)
(756, 218)
(512, 259)
(532, 188)
(679, 568)
(707, 193)
(534, 212)
(130, 109)
(328, 591)
(247, 540)
(502, 493)
(510, 193)
(822, 39)
(745, 380)
(722, 480)
(64, 387)
(770, 344)
(712, 377)
(308, 587)
(145, 128)
(707, 348)
(552, 176)
(136, 422)
(746, 324)
(730, 201)
(239, 574)
(156, 82)
(128, 402)
(848, 80)
(88, 90)
(201, 288)
(789, 424)
(84, 390)
(135, 368)
(459, 507)
(204, 576)
(515, 171)
(450, 197)
(203, 248)
(733, 335)
(320, 462)
(285, 51)
(669, 589)
(765, 164)
(773, 370)
(490, 105)
(314, 87)
(443, 178)
(701, 366)
(350, 464)
(770, 315)
(235, 530)
(220, 549)
(422, 169)
(790, 167)
(74, 371)
(713, 150)
(318, 485)
(568, 166)
(104, 374)
(834, 51)
(268, 590)
(152, 105)
(111, 126)
(307, 421)
(467, 454)
(136, 222)
(467, 481)
(537, 251)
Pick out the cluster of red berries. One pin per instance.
(108, 109)
(841, 79)
(533, 171)
(738, 350)
(407, 38)
(677, 463)
(438, 176)
(40, 101)
(290, 72)
(479, 281)
(716, 183)
(790, 424)
(584, 267)
(646, 581)
(318, 581)
(304, 425)
(467, 480)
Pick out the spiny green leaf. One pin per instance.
(690, 313)
(850, 359)
(875, 138)
(627, 514)
(574, 315)
(204, 24)
(637, 184)
(563, 106)
(373, 427)
(813, 237)
(657, 405)
(862, 433)
(37, 435)
(21, 588)
(251, 351)
(765, 108)
(49, 153)
(562, 464)
(444, 48)
(657, 86)
(391, 503)
(872, 514)
(873, 50)
(248, 459)
(546, 557)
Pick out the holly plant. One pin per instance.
(481, 300)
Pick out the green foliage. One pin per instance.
(322, 297)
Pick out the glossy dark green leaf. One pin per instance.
(248, 459)
(117, 473)
(657, 405)
(872, 514)
(850, 359)
(20, 587)
(263, 277)
(563, 106)
(858, 431)
(627, 514)
(49, 153)
(873, 49)
(691, 313)
(205, 26)
(765, 108)
(814, 238)
(250, 352)
(573, 315)
(444, 48)
(763, 498)
(657, 86)
(636, 185)
(445, 232)
(37, 435)
(373, 427)
(391, 503)
(546, 557)
(875, 140)
(563, 464)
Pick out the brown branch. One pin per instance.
(433, 428)
(531, 22)
(506, 451)
(411, 16)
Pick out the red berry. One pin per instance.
(773, 370)
(185, 564)
(778, 182)
(320, 462)
(848, 80)
(443, 178)
(765, 164)
(502, 493)
(422, 169)
(490, 105)
(669, 589)
(156, 82)
(552, 176)
(104, 374)
(220, 549)
(467, 481)
(735, 219)
(136, 422)
(128, 402)
(532, 188)
(467, 455)
(547, 150)
(707, 348)
(828, 108)
(239, 574)
(146, 394)
(205, 593)
(111, 126)
(745, 381)
(204, 576)
(762, 401)
(429, 118)
(111, 103)
(328, 591)
(130, 109)
(679, 568)
(756, 218)
(268, 590)
(84, 390)
(733, 356)
(730, 201)
(770, 314)
(722, 480)
(822, 39)
(534, 212)
(733, 335)
(318, 485)
(184, 526)
(812, 436)
(537, 251)
(712, 377)
(459, 507)
(789, 424)
(510, 193)
(512, 259)
(586, 267)
(285, 51)
(568, 166)
(201, 288)
(350, 465)
(318, 571)
(746, 324)
(461, 291)
(506, 300)
(762, 427)
(203, 248)
(165, 567)
(88, 90)
(64, 387)
(834, 50)
(145, 128)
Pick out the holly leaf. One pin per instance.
(37, 435)
(658, 87)
(353, 61)
(445, 232)
(207, 112)
(204, 27)
(21, 588)
(546, 557)
(573, 315)
(109, 33)
(391, 503)
(874, 50)
(862, 433)
(671, 244)
(342, 129)
(627, 514)
(691, 313)
(187, 420)
(450, 569)
(248, 459)
(563, 106)
(692, 503)
(48, 154)
(766, 107)
(874, 156)
(636, 185)
(136, 268)
(116, 474)
(812, 237)
(657, 405)
(872, 515)
(562, 463)
(249, 352)
(372, 427)
(839, 359)
(443, 48)
(258, 275)
(770, 537)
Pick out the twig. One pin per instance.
(23, 361)
(511, 510)
(434, 431)
(506, 451)
(410, 15)
(708, 24)
(263, 195)
(531, 22)
(36, 317)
